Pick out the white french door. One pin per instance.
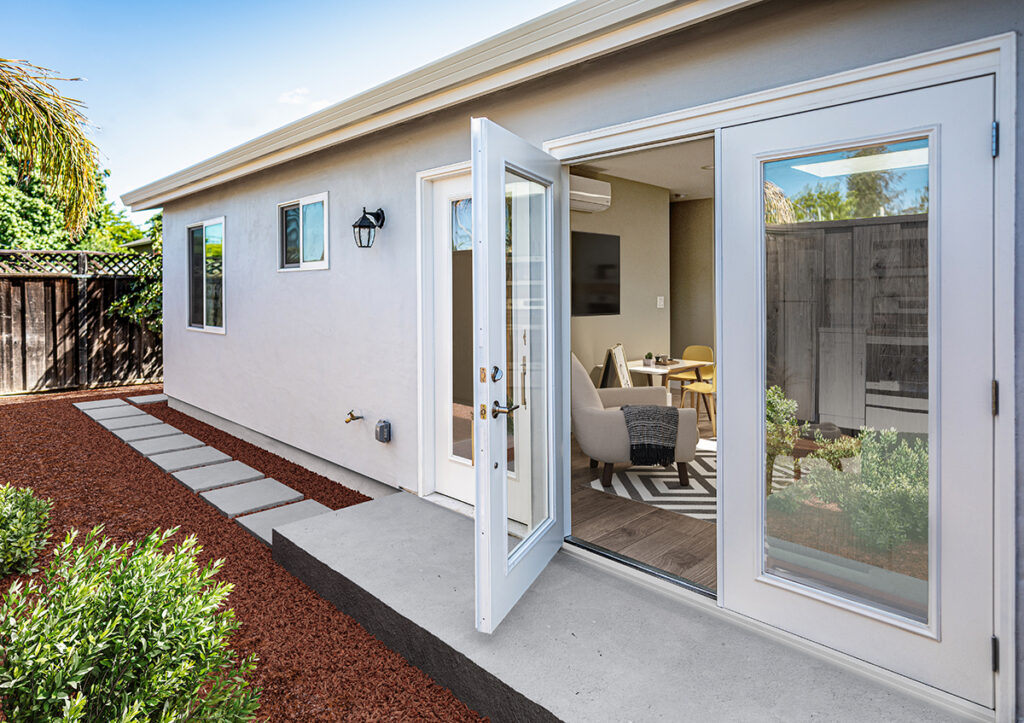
(856, 344)
(520, 366)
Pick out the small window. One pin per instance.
(303, 231)
(206, 275)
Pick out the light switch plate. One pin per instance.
(661, 302)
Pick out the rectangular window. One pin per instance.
(303, 231)
(206, 275)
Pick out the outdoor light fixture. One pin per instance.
(366, 227)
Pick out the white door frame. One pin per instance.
(425, 291)
(995, 55)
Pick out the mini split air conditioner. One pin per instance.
(588, 195)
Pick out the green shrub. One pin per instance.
(24, 528)
(883, 492)
(781, 430)
(116, 634)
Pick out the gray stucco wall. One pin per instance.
(301, 349)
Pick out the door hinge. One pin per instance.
(995, 654)
(995, 138)
(995, 397)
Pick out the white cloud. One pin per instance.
(296, 96)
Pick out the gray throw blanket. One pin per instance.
(652, 434)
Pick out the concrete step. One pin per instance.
(138, 420)
(100, 404)
(187, 458)
(148, 399)
(149, 431)
(214, 476)
(582, 644)
(103, 413)
(251, 497)
(262, 524)
(159, 445)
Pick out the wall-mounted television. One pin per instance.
(595, 274)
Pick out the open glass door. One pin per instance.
(517, 209)
(856, 364)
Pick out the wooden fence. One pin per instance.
(55, 329)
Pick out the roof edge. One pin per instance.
(561, 38)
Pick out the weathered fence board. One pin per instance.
(55, 328)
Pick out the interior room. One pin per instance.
(643, 333)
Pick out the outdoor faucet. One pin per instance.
(352, 416)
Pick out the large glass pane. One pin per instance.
(313, 231)
(526, 228)
(214, 238)
(462, 328)
(195, 276)
(847, 469)
(290, 235)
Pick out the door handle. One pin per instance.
(497, 409)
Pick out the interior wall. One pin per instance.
(692, 288)
(639, 216)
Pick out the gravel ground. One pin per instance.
(315, 663)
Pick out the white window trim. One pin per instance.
(205, 329)
(304, 265)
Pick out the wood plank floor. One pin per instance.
(680, 545)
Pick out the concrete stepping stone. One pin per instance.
(214, 476)
(100, 404)
(262, 524)
(148, 399)
(251, 496)
(159, 445)
(186, 458)
(113, 412)
(138, 420)
(149, 431)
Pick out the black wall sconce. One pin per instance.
(366, 227)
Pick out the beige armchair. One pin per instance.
(600, 428)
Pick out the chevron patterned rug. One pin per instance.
(659, 486)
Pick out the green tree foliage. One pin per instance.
(31, 217)
(823, 202)
(43, 133)
(112, 633)
(861, 195)
(24, 528)
(143, 304)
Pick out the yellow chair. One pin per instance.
(704, 389)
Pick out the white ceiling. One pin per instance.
(677, 167)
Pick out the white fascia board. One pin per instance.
(560, 39)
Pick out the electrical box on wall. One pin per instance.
(382, 432)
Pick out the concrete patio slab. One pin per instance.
(186, 458)
(113, 412)
(159, 445)
(583, 644)
(150, 431)
(137, 420)
(100, 404)
(148, 399)
(251, 497)
(262, 524)
(219, 475)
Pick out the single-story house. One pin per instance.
(793, 226)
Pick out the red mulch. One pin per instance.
(315, 663)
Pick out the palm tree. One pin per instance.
(44, 133)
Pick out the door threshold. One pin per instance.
(642, 567)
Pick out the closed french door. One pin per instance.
(856, 357)
(520, 366)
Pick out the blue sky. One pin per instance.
(171, 83)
